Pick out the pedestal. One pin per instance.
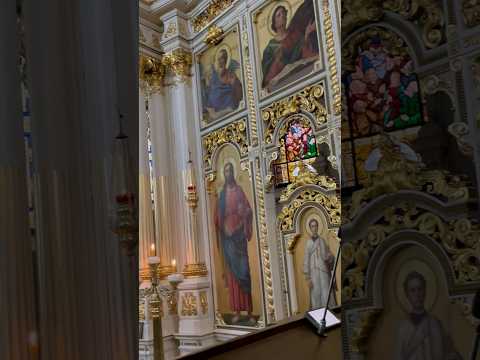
(195, 325)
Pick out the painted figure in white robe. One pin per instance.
(317, 267)
(421, 336)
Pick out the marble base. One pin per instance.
(195, 307)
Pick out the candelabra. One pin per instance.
(194, 266)
(157, 293)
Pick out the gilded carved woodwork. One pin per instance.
(172, 303)
(179, 62)
(151, 73)
(460, 240)
(215, 8)
(306, 177)
(235, 132)
(310, 100)
(332, 60)
(194, 270)
(203, 302)
(471, 12)
(395, 172)
(264, 247)
(292, 243)
(214, 35)
(356, 13)
(330, 203)
(156, 306)
(252, 107)
(189, 304)
(426, 14)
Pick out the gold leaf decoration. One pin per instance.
(459, 238)
(214, 36)
(235, 133)
(310, 100)
(211, 12)
(330, 203)
(189, 304)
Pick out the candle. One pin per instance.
(152, 250)
(174, 263)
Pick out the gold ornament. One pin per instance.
(330, 203)
(310, 100)
(203, 302)
(162, 272)
(395, 172)
(235, 132)
(212, 11)
(189, 305)
(214, 36)
(252, 107)
(306, 177)
(427, 14)
(459, 238)
(332, 60)
(179, 62)
(194, 270)
(151, 73)
(264, 248)
(172, 303)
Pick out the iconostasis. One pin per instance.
(269, 153)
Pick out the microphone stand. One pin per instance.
(323, 323)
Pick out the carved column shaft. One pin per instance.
(146, 214)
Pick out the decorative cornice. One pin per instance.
(426, 14)
(215, 8)
(179, 62)
(235, 132)
(151, 73)
(330, 203)
(214, 35)
(332, 60)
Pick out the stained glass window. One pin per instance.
(382, 94)
(298, 144)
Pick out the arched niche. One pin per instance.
(306, 203)
(229, 153)
(296, 139)
(420, 227)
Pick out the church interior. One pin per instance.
(240, 115)
(194, 179)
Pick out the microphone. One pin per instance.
(476, 314)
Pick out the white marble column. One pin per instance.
(164, 182)
(83, 64)
(146, 214)
(17, 317)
